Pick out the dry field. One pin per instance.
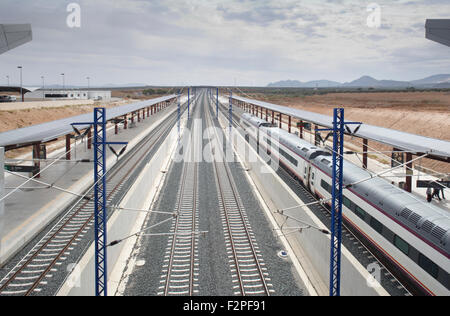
(22, 118)
(422, 113)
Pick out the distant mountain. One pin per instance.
(309, 84)
(128, 85)
(436, 81)
(367, 81)
(286, 84)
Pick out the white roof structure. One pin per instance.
(14, 35)
(49, 131)
(401, 140)
(438, 31)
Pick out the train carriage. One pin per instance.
(412, 235)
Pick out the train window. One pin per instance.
(268, 142)
(326, 186)
(360, 212)
(347, 203)
(289, 157)
(428, 266)
(401, 244)
(376, 225)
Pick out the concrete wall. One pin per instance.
(123, 223)
(312, 246)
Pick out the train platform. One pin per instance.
(375, 166)
(36, 204)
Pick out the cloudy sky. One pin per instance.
(220, 42)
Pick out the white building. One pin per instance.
(68, 94)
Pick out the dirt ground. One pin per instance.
(422, 113)
(23, 118)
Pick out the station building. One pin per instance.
(69, 94)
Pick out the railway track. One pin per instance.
(249, 273)
(180, 270)
(181, 264)
(34, 271)
(354, 239)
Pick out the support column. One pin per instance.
(273, 117)
(125, 122)
(281, 121)
(37, 163)
(267, 115)
(132, 118)
(151, 109)
(148, 112)
(409, 173)
(116, 129)
(290, 123)
(139, 116)
(316, 139)
(301, 129)
(67, 147)
(365, 148)
(89, 141)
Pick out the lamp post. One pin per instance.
(88, 80)
(43, 87)
(21, 89)
(64, 81)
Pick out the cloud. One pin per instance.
(216, 41)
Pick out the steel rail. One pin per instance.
(70, 216)
(243, 223)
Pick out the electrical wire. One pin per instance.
(47, 185)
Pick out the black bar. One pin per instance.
(24, 169)
(433, 184)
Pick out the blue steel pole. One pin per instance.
(100, 202)
(337, 197)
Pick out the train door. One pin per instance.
(308, 176)
(313, 180)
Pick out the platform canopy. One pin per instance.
(52, 130)
(14, 35)
(438, 31)
(436, 148)
(17, 89)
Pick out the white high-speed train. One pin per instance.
(412, 235)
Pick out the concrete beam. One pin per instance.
(301, 129)
(37, 156)
(68, 147)
(89, 142)
(365, 148)
(409, 172)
